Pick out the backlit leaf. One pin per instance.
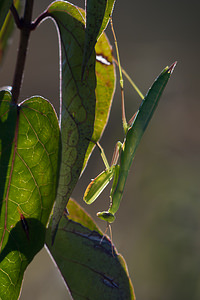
(106, 79)
(95, 10)
(107, 15)
(91, 269)
(98, 13)
(105, 88)
(78, 102)
(29, 143)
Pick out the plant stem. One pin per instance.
(15, 16)
(25, 29)
(39, 19)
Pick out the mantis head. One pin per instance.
(106, 216)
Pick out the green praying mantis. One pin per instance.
(124, 153)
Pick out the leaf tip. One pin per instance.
(172, 67)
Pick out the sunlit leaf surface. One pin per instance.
(29, 143)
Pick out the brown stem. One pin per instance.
(25, 29)
(16, 16)
(41, 17)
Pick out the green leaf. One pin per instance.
(91, 269)
(7, 30)
(98, 13)
(29, 143)
(95, 10)
(78, 102)
(107, 15)
(4, 8)
(106, 79)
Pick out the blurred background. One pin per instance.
(157, 228)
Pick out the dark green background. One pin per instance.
(157, 228)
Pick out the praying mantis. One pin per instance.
(125, 152)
